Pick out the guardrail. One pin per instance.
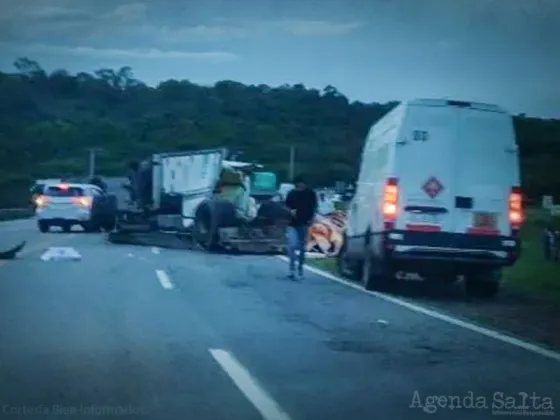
(16, 213)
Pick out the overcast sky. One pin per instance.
(500, 51)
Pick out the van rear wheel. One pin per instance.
(483, 284)
(376, 275)
(346, 267)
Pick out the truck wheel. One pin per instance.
(347, 268)
(111, 211)
(223, 213)
(483, 284)
(209, 217)
(108, 224)
(111, 203)
(43, 226)
(205, 233)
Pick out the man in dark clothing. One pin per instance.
(98, 182)
(302, 202)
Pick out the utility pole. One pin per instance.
(291, 168)
(92, 161)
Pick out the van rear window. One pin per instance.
(64, 192)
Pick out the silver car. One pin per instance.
(67, 204)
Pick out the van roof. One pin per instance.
(448, 101)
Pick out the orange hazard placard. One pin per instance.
(432, 187)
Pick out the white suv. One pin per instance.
(66, 205)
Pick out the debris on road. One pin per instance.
(61, 254)
(11, 254)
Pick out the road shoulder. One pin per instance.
(513, 312)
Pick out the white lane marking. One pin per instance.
(526, 345)
(155, 250)
(265, 405)
(164, 279)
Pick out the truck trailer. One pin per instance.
(197, 199)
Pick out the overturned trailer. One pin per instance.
(197, 199)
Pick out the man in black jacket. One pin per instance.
(302, 202)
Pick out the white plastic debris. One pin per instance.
(382, 322)
(61, 254)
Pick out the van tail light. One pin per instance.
(41, 200)
(82, 201)
(390, 202)
(516, 216)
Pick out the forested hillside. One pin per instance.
(48, 121)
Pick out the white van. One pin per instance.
(438, 195)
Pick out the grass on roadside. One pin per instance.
(531, 274)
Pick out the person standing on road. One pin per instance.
(302, 202)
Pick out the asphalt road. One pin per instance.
(156, 334)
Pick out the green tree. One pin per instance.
(47, 121)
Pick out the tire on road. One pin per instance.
(103, 214)
(110, 218)
(209, 217)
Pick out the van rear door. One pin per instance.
(425, 168)
(487, 169)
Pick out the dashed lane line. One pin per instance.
(164, 280)
(253, 391)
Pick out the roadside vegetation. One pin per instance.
(48, 120)
(533, 273)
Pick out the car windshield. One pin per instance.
(57, 191)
